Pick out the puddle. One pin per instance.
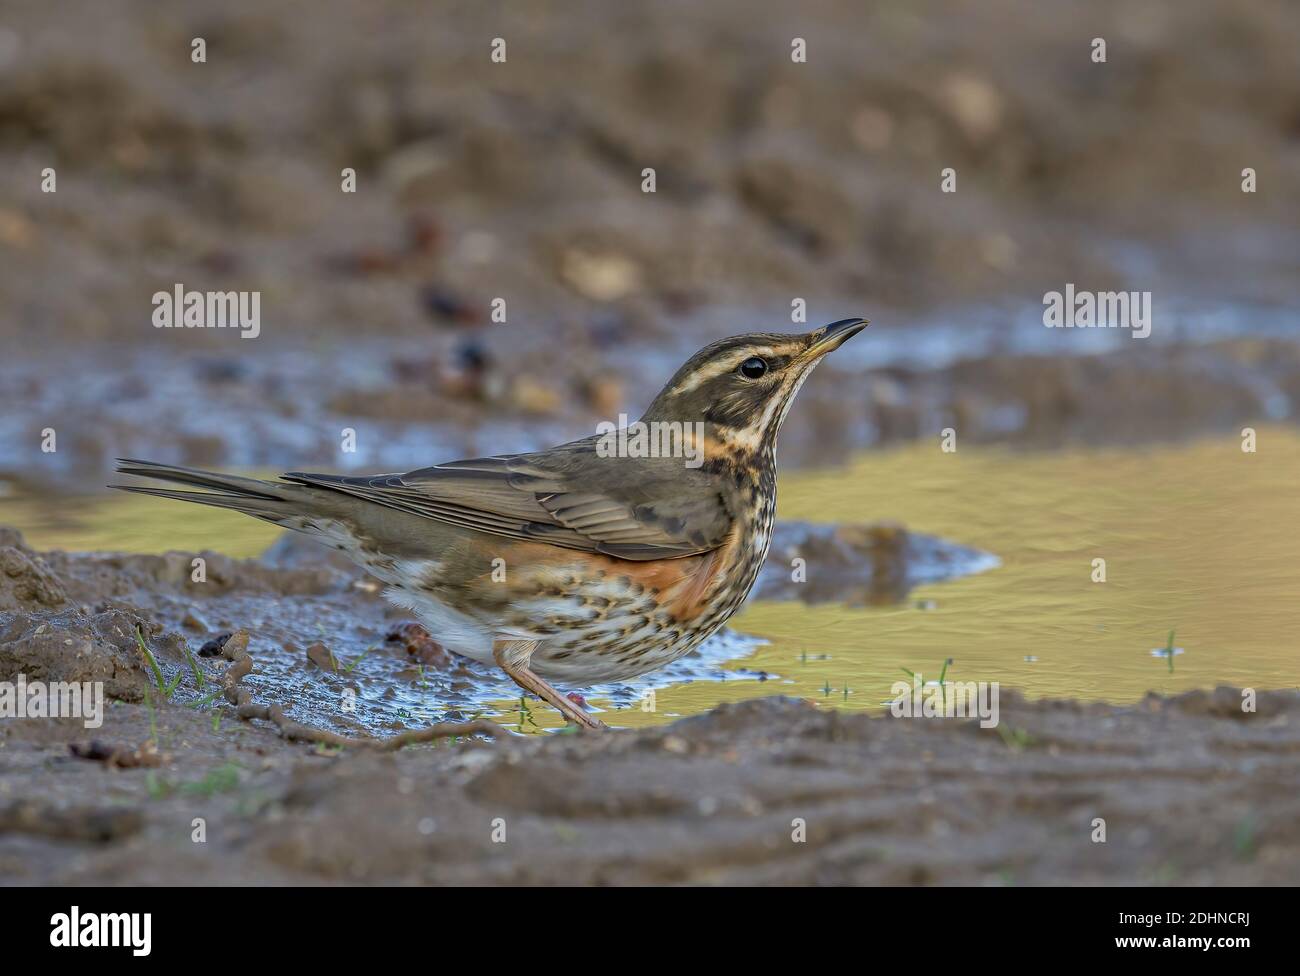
(1199, 539)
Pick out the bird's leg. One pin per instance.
(513, 656)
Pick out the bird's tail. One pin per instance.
(283, 504)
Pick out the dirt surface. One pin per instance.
(523, 179)
(1193, 789)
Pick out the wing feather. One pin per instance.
(655, 513)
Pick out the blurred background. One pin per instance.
(522, 181)
(776, 182)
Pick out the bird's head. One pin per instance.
(742, 387)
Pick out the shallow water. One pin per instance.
(1198, 538)
(1201, 539)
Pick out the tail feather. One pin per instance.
(317, 510)
(198, 478)
(261, 499)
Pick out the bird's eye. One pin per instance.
(752, 368)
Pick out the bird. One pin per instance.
(597, 560)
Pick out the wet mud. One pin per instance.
(769, 791)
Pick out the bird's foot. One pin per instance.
(510, 655)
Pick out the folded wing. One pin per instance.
(569, 497)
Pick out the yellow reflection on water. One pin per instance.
(123, 522)
(1199, 538)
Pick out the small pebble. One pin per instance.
(212, 647)
(319, 655)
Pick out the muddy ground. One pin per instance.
(522, 179)
(1193, 790)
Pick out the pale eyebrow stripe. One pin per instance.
(720, 366)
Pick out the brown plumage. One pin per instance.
(570, 564)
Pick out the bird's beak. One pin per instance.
(833, 336)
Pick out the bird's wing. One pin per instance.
(567, 497)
